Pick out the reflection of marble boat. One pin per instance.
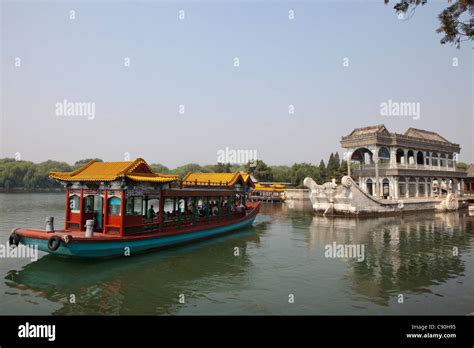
(471, 209)
(407, 253)
(112, 199)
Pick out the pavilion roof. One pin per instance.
(410, 132)
(424, 134)
(470, 170)
(369, 130)
(137, 170)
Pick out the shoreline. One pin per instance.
(32, 190)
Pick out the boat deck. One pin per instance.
(153, 233)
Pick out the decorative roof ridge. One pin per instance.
(425, 131)
(75, 172)
(133, 166)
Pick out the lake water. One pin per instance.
(426, 260)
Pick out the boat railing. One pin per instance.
(208, 183)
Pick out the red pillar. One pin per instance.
(470, 187)
(122, 213)
(160, 212)
(68, 209)
(106, 212)
(81, 214)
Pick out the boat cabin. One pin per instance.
(240, 183)
(127, 198)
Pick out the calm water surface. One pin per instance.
(282, 254)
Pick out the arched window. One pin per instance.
(411, 157)
(442, 160)
(384, 155)
(427, 158)
(362, 155)
(385, 188)
(434, 159)
(411, 187)
(400, 156)
(421, 187)
(370, 189)
(419, 158)
(402, 187)
(75, 204)
(114, 206)
(450, 161)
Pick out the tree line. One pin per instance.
(29, 175)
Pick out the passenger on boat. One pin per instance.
(151, 213)
(215, 210)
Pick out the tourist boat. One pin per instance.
(110, 210)
(268, 192)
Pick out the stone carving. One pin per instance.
(329, 190)
(349, 198)
(347, 181)
(451, 202)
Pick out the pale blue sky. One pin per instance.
(190, 62)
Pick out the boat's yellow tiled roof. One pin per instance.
(213, 178)
(137, 170)
(217, 179)
(245, 176)
(272, 187)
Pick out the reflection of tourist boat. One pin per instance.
(110, 211)
(108, 287)
(268, 192)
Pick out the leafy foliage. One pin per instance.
(25, 174)
(456, 20)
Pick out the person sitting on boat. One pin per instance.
(151, 213)
(215, 210)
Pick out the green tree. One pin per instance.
(81, 162)
(323, 171)
(260, 171)
(332, 167)
(299, 171)
(221, 168)
(159, 168)
(456, 20)
(190, 167)
(281, 173)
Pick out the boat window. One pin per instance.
(129, 206)
(114, 206)
(89, 204)
(137, 206)
(134, 205)
(75, 204)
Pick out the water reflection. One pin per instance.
(144, 284)
(402, 254)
